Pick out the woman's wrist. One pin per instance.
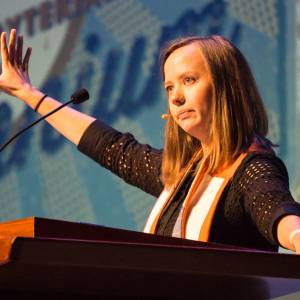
(30, 95)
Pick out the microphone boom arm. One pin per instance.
(77, 97)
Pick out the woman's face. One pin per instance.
(189, 88)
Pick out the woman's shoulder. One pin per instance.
(260, 167)
(263, 161)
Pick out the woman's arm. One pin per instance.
(14, 80)
(264, 186)
(136, 163)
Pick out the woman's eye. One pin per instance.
(189, 80)
(169, 88)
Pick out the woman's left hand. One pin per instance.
(14, 78)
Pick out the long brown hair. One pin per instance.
(238, 113)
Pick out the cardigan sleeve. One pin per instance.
(266, 197)
(137, 164)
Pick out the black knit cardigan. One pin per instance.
(250, 208)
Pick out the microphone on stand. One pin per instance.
(76, 98)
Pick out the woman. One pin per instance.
(218, 178)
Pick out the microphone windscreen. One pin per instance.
(80, 96)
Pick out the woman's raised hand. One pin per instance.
(14, 78)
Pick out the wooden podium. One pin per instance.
(51, 259)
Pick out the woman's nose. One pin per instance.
(177, 98)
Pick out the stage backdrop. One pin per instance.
(111, 47)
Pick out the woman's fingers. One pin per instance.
(14, 54)
(11, 45)
(4, 51)
(19, 52)
(26, 59)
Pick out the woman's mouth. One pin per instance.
(184, 114)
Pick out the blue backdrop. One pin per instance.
(112, 48)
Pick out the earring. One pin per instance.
(165, 116)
